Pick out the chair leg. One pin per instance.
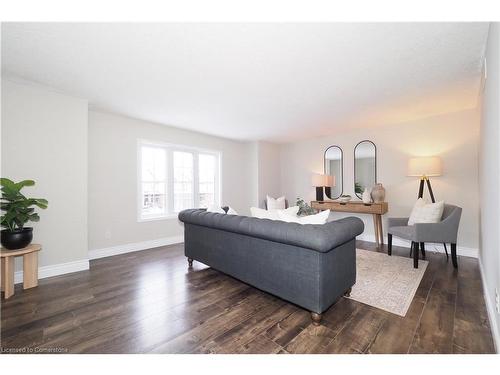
(422, 249)
(414, 246)
(389, 244)
(454, 255)
(446, 251)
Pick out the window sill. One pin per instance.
(157, 218)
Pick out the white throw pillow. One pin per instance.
(319, 218)
(292, 211)
(260, 213)
(216, 209)
(275, 204)
(424, 212)
(231, 211)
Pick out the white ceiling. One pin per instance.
(276, 82)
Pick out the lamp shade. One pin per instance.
(330, 181)
(320, 180)
(425, 166)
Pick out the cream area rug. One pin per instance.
(386, 282)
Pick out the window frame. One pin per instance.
(169, 149)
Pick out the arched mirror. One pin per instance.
(365, 166)
(333, 167)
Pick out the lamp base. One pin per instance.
(319, 193)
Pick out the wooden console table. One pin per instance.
(357, 207)
(30, 268)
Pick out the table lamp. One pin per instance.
(320, 181)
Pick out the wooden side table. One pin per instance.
(30, 268)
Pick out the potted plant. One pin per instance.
(18, 210)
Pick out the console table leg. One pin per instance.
(376, 228)
(316, 318)
(380, 229)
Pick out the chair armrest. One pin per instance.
(397, 222)
(436, 232)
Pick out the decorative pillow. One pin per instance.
(231, 211)
(319, 218)
(275, 204)
(216, 209)
(260, 213)
(424, 212)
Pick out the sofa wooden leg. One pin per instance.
(347, 293)
(316, 318)
(190, 262)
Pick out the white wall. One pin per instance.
(489, 179)
(113, 178)
(44, 138)
(269, 171)
(454, 137)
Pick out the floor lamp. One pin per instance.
(425, 167)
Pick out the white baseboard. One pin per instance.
(462, 251)
(56, 270)
(490, 307)
(137, 246)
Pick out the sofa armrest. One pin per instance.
(397, 222)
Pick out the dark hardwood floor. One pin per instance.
(149, 302)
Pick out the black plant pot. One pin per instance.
(17, 239)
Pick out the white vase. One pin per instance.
(367, 196)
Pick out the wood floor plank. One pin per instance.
(434, 333)
(149, 301)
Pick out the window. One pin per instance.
(174, 178)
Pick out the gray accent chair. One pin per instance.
(309, 265)
(445, 231)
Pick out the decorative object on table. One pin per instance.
(304, 208)
(445, 231)
(320, 181)
(344, 198)
(425, 167)
(365, 166)
(18, 211)
(378, 193)
(367, 196)
(333, 161)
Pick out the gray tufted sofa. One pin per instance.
(309, 265)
